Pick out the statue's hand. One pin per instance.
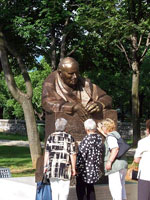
(94, 107)
(82, 113)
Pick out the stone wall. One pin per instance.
(13, 126)
(126, 130)
(18, 126)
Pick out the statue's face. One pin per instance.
(70, 73)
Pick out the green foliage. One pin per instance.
(116, 85)
(94, 30)
(11, 108)
(37, 79)
(113, 23)
(145, 89)
(3, 90)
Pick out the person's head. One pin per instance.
(148, 126)
(107, 125)
(69, 71)
(60, 124)
(90, 125)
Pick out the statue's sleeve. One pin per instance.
(51, 101)
(100, 96)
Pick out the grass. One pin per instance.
(5, 136)
(17, 159)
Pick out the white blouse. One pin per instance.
(143, 152)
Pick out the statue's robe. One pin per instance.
(58, 100)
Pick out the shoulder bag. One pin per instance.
(123, 146)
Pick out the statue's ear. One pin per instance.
(59, 72)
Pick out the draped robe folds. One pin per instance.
(58, 100)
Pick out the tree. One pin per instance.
(51, 25)
(35, 28)
(92, 31)
(124, 24)
(25, 99)
(11, 108)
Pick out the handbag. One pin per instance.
(123, 146)
(43, 191)
(132, 172)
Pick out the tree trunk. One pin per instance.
(135, 89)
(23, 98)
(1, 113)
(32, 132)
(53, 50)
(135, 103)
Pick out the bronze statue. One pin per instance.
(66, 94)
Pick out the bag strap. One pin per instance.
(45, 180)
(112, 135)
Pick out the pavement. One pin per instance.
(20, 143)
(24, 188)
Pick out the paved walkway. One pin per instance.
(24, 188)
(20, 143)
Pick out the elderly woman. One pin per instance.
(115, 168)
(60, 158)
(88, 162)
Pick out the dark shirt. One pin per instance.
(89, 158)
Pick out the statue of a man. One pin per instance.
(66, 94)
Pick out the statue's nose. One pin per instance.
(74, 75)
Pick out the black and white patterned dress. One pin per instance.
(89, 158)
(60, 146)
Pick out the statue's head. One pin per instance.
(69, 71)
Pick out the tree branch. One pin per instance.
(140, 40)
(63, 42)
(146, 47)
(53, 49)
(72, 51)
(122, 49)
(7, 71)
(23, 71)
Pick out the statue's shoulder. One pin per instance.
(51, 77)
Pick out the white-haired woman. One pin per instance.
(88, 162)
(60, 157)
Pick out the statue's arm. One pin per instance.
(52, 102)
(100, 96)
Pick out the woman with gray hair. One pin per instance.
(60, 124)
(90, 124)
(89, 159)
(60, 160)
